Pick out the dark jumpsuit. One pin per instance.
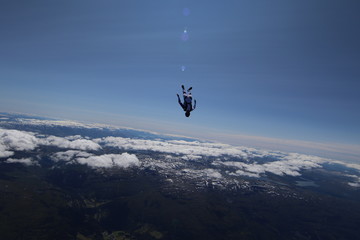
(187, 105)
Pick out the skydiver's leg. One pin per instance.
(189, 93)
(184, 92)
(183, 89)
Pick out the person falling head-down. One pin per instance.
(187, 105)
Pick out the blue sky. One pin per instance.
(276, 69)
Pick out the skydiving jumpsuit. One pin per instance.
(187, 105)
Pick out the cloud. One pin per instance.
(191, 149)
(278, 163)
(244, 169)
(57, 123)
(71, 124)
(17, 140)
(14, 140)
(187, 158)
(25, 161)
(191, 157)
(75, 137)
(212, 173)
(243, 173)
(349, 152)
(124, 160)
(81, 144)
(355, 182)
(69, 155)
(349, 165)
(4, 151)
(292, 163)
(287, 164)
(283, 168)
(207, 173)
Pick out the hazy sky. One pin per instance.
(277, 69)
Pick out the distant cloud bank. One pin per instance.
(171, 156)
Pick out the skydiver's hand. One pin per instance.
(177, 95)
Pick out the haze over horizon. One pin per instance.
(275, 74)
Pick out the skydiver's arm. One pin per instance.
(182, 105)
(194, 105)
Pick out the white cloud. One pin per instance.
(253, 168)
(238, 161)
(4, 151)
(355, 182)
(290, 164)
(349, 165)
(80, 144)
(282, 164)
(207, 173)
(14, 140)
(191, 157)
(57, 123)
(69, 155)
(175, 147)
(212, 173)
(124, 160)
(75, 137)
(243, 173)
(17, 140)
(327, 150)
(282, 168)
(25, 161)
(73, 124)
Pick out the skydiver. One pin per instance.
(187, 105)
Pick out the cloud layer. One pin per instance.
(192, 150)
(190, 159)
(14, 140)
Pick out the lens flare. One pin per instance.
(186, 12)
(185, 35)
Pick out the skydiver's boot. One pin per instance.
(189, 89)
(183, 88)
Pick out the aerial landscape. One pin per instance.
(67, 180)
(170, 119)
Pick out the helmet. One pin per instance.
(187, 114)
